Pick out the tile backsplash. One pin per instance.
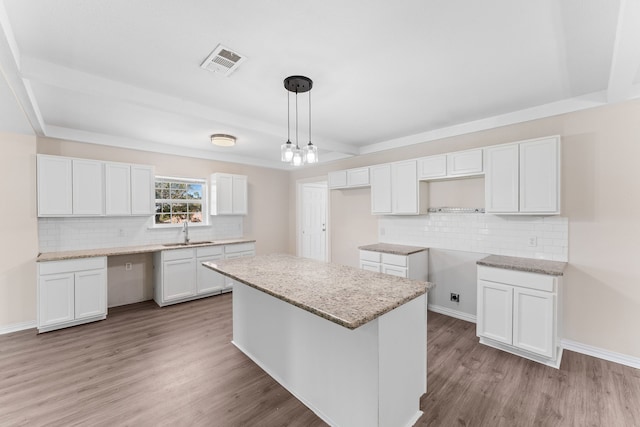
(64, 234)
(542, 237)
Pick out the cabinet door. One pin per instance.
(539, 176)
(55, 185)
(337, 179)
(142, 192)
(432, 167)
(224, 191)
(239, 195)
(178, 279)
(358, 177)
(90, 294)
(380, 177)
(55, 299)
(533, 320)
(209, 281)
(464, 163)
(404, 187)
(371, 266)
(495, 311)
(88, 187)
(117, 185)
(501, 179)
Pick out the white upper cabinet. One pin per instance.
(501, 179)
(380, 189)
(82, 187)
(350, 178)
(523, 178)
(432, 167)
(88, 187)
(540, 176)
(117, 183)
(395, 189)
(55, 186)
(142, 191)
(463, 163)
(451, 165)
(228, 194)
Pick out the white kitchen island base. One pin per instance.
(373, 375)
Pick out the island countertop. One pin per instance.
(344, 295)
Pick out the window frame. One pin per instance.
(204, 201)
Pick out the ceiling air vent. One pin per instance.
(223, 60)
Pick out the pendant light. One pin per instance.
(288, 152)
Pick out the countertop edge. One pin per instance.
(100, 252)
(505, 265)
(389, 250)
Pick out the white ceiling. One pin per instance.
(385, 73)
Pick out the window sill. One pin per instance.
(177, 226)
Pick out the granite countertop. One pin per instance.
(127, 250)
(541, 266)
(344, 295)
(388, 248)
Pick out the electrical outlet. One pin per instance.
(455, 297)
(128, 266)
(533, 241)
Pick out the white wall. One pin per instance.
(18, 229)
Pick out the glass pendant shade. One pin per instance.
(310, 153)
(297, 159)
(286, 152)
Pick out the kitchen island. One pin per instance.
(350, 344)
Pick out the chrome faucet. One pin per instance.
(185, 230)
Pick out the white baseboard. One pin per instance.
(600, 353)
(7, 329)
(453, 313)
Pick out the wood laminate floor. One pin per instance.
(175, 366)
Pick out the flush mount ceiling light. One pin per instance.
(290, 153)
(223, 140)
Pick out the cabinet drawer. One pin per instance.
(370, 256)
(56, 267)
(524, 279)
(392, 259)
(209, 251)
(177, 254)
(371, 266)
(395, 271)
(239, 247)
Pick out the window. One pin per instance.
(179, 200)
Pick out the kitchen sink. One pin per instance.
(173, 245)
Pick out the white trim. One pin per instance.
(601, 353)
(16, 327)
(452, 313)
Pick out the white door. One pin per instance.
(495, 311)
(501, 179)
(90, 294)
(117, 184)
(380, 177)
(142, 191)
(239, 194)
(224, 194)
(88, 187)
(209, 281)
(314, 221)
(178, 279)
(533, 321)
(404, 188)
(54, 186)
(539, 177)
(55, 299)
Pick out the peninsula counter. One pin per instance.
(350, 344)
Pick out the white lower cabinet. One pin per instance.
(519, 312)
(71, 292)
(412, 266)
(179, 275)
